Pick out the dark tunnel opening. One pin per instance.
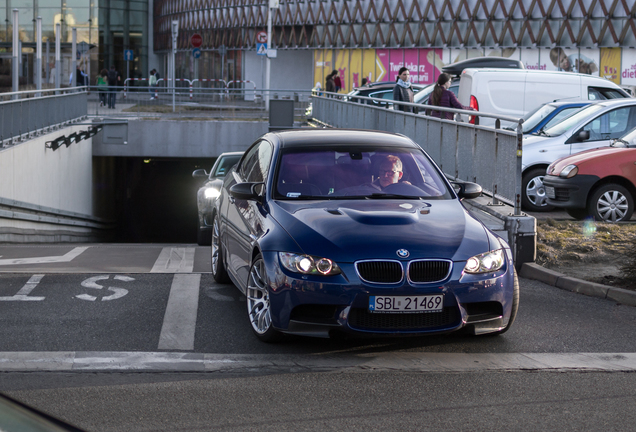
(152, 200)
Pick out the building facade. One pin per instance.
(105, 29)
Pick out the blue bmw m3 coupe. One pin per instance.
(360, 232)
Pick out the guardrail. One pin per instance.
(217, 102)
(485, 155)
(37, 111)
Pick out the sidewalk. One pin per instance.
(559, 280)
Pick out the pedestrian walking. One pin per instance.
(113, 81)
(443, 97)
(336, 80)
(102, 86)
(152, 84)
(330, 86)
(402, 92)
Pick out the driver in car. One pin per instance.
(390, 172)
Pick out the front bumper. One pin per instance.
(569, 193)
(318, 306)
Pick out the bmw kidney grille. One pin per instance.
(392, 272)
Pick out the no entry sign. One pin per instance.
(196, 40)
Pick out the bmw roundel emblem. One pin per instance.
(403, 253)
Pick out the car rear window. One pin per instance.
(603, 93)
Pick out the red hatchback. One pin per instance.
(600, 183)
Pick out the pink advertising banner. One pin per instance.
(421, 64)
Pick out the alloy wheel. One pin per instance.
(612, 206)
(258, 306)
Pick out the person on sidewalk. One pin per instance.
(152, 84)
(102, 86)
(113, 81)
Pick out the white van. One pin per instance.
(515, 92)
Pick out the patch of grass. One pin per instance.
(563, 245)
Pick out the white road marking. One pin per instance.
(179, 322)
(68, 257)
(385, 361)
(23, 294)
(174, 260)
(92, 283)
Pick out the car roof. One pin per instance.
(480, 62)
(231, 154)
(559, 103)
(384, 84)
(611, 103)
(325, 137)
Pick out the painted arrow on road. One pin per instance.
(46, 260)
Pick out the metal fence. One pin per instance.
(485, 155)
(37, 111)
(186, 99)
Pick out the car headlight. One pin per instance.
(486, 262)
(212, 193)
(308, 264)
(569, 171)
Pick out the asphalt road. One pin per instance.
(100, 339)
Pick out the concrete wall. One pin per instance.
(60, 179)
(182, 138)
(291, 69)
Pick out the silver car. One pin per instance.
(209, 191)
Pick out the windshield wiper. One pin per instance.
(392, 196)
(541, 132)
(621, 141)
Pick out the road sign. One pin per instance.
(196, 40)
(196, 53)
(261, 48)
(128, 55)
(261, 37)
(222, 50)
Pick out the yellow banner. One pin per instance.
(611, 64)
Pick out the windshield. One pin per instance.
(534, 118)
(358, 173)
(573, 120)
(629, 138)
(423, 95)
(224, 165)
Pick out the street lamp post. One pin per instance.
(74, 56)
(38, 55)
(58, 55)
(16, 47)
(175, 34)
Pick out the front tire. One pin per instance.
(577, 213)
(611, 203)
(204, 237)
(533, 197)
(219, 271)
(258, 303)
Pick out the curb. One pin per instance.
(592, 289)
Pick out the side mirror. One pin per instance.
(247, 191)
(467, 190)
(199, 173)
(584, 135)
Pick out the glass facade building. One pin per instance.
(105, 29)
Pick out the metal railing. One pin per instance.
(37, 111)
(485, 155)
(186, 100)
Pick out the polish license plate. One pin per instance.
(406, 304)
(549, 191)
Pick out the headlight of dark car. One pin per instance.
(486, 262)
(211, 193)
(308, 264)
